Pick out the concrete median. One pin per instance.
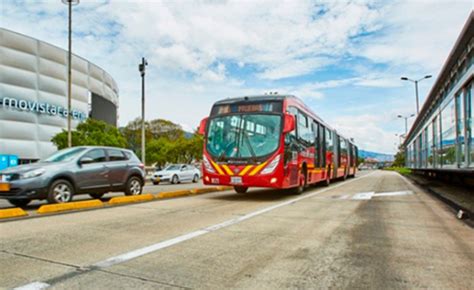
(59, 207)
(169, 194)
(178, 193)
(131, 199)
(204, 190)
(12, 212)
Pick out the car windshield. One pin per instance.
(173, 167)
(65, 154)
(243, 136)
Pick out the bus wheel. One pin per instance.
(327, 181)
(240, 189)
(300, 188)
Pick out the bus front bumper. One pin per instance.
(270, 181)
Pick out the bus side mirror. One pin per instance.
(202, 126)
(289, 123)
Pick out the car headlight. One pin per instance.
(33, 173)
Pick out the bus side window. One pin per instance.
(317, 144)
(323, 145)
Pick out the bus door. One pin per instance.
(336, 155)
(318, 150)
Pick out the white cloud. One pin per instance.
(367, 131)
(195, 47)
(418, 34)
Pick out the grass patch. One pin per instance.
(401, 170)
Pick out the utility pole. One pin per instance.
(69, 69)
(141, 69)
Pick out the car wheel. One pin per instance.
(240, 189)
(174, 179)
(60, 191)
(19, 202)
(96, 195)
(196, 178)
(134, 186)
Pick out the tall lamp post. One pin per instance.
(69, 3)
(400, 136)
(406, 121)
(416, 89)
(141, 69)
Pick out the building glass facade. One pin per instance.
(442, 136)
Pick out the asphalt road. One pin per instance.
(376, 231)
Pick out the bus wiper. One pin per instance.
(247, 139)
(221, 157)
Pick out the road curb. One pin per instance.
(58, 207)
(168, 194)
(12, 212)
(131, 198)
(196, 191)
(455, 206)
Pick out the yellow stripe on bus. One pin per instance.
(246, 169)
(257, 169)
(219, 170)
(227, 169)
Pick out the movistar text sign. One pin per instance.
(40, 108)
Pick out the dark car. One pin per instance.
(78, 170)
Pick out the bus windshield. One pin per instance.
(243, 136)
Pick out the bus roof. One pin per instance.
(253, 99)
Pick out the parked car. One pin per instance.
(176, 173)
(87, 169)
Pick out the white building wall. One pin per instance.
(36, 71)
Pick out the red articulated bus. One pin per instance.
(272, 141)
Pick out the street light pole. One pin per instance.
(141, 68)
(416, 89)
(406, 121)
(69, 69)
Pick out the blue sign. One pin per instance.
(8, 161)
(13, 161)
(4, 160)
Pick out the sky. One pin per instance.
(344, 59)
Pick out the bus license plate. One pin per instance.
(236, 180)
(4, 186)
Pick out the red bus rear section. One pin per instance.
(272, 141)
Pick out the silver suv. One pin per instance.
(78, 170)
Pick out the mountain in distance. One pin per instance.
(374, 155)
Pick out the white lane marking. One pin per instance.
(363, 195)
(345, 196)
(143, 251)
(174, 241)
(33, 286)
(394, 193)
(167, 243)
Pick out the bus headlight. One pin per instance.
(271, 166)
(207, 164)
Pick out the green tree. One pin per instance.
(133, 134)
(399, 158)
(92, 132)
(164, 128)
